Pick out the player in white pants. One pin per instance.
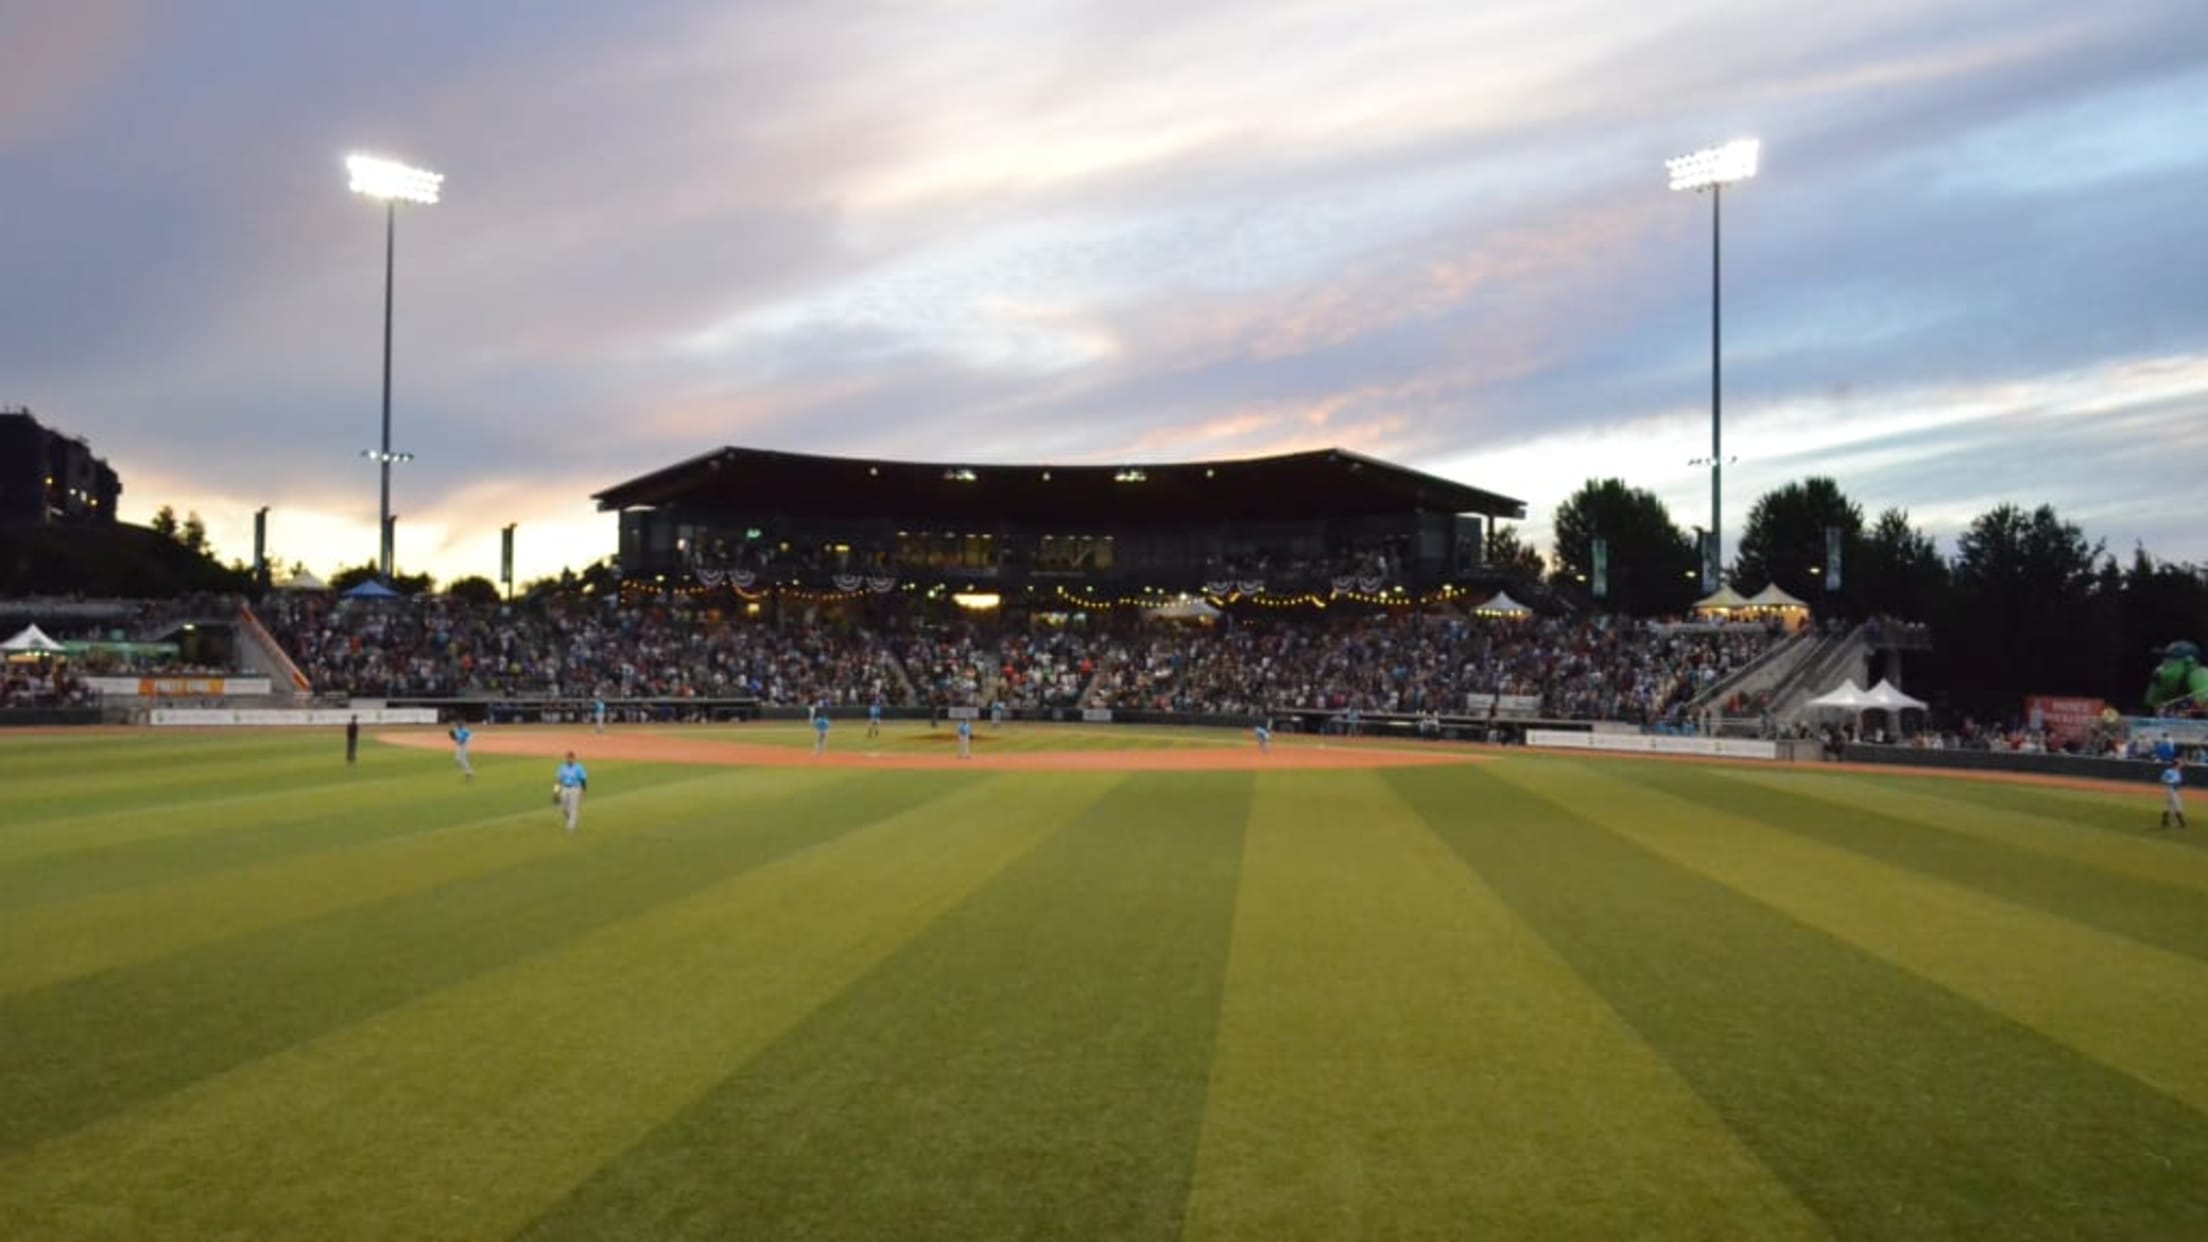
(965, 739)
(568, 785)
(2173, 797)
(460, 735)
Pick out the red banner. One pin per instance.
(2065, 717)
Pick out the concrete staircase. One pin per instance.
(1765, 672)
(259, 652)
(1835, 659)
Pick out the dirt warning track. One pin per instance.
(672, 747)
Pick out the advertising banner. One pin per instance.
(2064, 716)
(177, 687)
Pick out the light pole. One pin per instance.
(1713, 169)
(394, 183)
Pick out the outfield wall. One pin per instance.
(1653, 744)
(321, 717)
(2079, 766)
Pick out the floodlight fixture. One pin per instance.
(392, 181)
(1714, 166)
(1712, 169)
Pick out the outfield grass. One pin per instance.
(248, 992)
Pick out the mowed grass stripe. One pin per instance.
(2131, 1006)
(251, 805)
(467, 1112)
(84, 1048)
(149, 752)
(325, 818)
(121, 787)
(2143, 853)
(70, 939)
(1893, 1107)
(2123, 812)
(2166, 915)
(1399, 1055)
(1032, 1067)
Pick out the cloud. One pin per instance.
(1422, 229)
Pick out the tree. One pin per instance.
(1897, 571)
(1652, 562)
(2023, 620)
(194, 533)
(1505, 551)
(164, 522)
(474, 590)
(1784, 541)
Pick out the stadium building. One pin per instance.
(51, 479)
(1278, 527)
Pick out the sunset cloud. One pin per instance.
(1090, 231)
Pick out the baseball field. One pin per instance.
(1089, 984)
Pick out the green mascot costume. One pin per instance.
(2179, 681)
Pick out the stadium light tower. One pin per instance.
(394, 183)
(1713, 169)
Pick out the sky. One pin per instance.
(1971, 271)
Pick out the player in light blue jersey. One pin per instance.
(873, 720)
(598, 715)
(996, 714)
(568, 785)
(965, 739)
(820, 730)
(460, 735)
(1264, 738)
(2173, 799)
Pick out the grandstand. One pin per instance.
(1269, 527)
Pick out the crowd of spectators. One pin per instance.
(42, 683)
(436, 646)
(1606, 669)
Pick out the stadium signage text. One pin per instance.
(176, 687)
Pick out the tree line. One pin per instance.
(2027, 604)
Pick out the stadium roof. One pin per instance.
(1318, 484)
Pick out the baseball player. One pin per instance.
(2173, 801)
(965, 739)
(598, 715)
(568, 785)
(820, 731)
(352, 740)
(460, 733)
(1264, 738)
(996, 714)
(873, 720)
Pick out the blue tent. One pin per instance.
(371, 589)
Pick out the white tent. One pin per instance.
(31, 639)
(1185, 608)
(1885, 696)
(1723, 599)
(304, 580)
(1503, 606)
(1849, 697)
(1774, 597)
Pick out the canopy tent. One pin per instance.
(371, 589)
(1503, 606)
(304, 580)
(31, 638)
(1775, 598)
(1185, 608)
(1848, 697)
(1885, 696)
(1724, 599)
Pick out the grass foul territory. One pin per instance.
(1090, 983)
